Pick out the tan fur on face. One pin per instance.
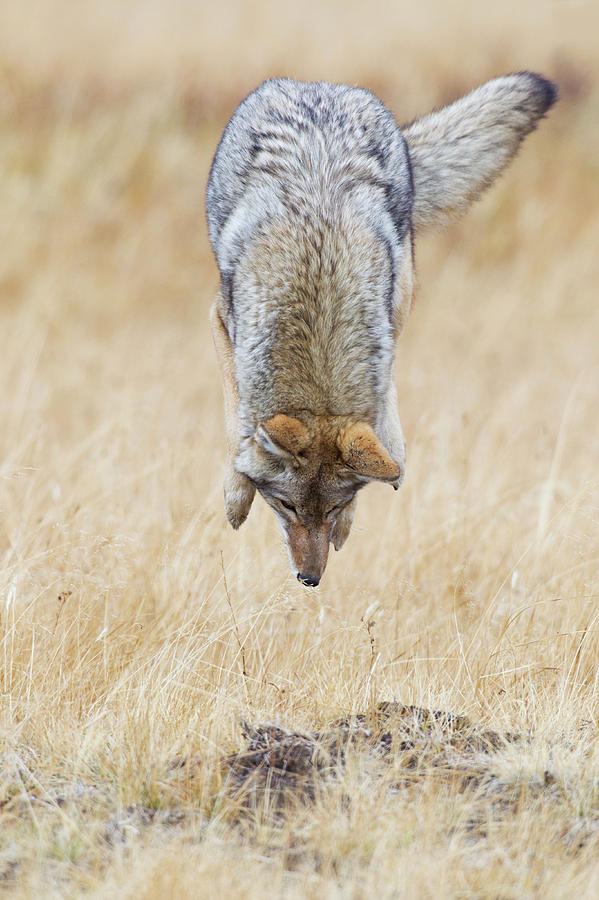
(288, 432)
(308, 547)
(362, 451)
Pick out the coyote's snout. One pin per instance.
(313, 200)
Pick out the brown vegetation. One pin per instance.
(129, 655)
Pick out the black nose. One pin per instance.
(308, 579)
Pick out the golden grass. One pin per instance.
(119, 655)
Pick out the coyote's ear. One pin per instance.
(362, 451)
(458, 151)
(283, 436)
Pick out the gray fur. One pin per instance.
(459, 150)
(317, 177)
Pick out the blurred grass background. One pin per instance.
(119, 652)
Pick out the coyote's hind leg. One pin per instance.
(239, 491)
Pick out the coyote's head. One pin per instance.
(309, 474)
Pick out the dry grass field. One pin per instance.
(138, 632)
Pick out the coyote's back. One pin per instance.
(309, 200)
(299, 147)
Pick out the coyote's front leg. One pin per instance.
(391, 434)
(342, 526)
(239, 491)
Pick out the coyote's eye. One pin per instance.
(288, 506)
(334, 511)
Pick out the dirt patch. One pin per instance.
(290, 765)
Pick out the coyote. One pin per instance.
(313, 200)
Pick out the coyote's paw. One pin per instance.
(239, 494)
(342, 526)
